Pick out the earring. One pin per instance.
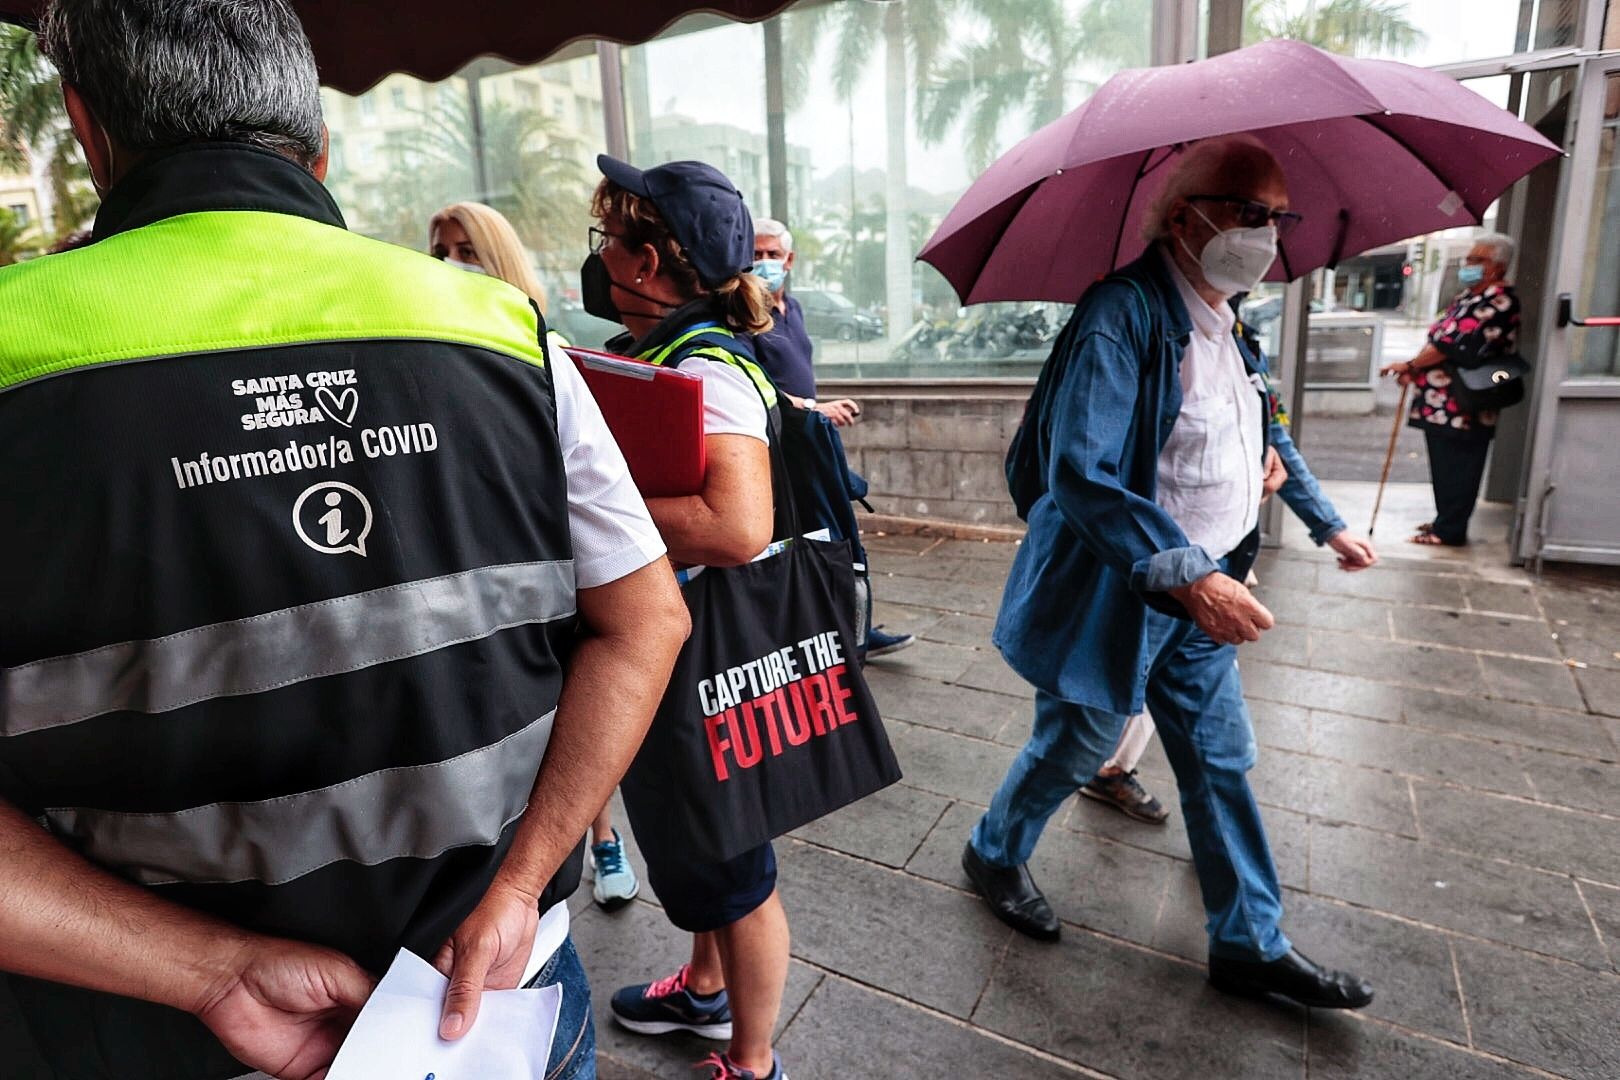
(638, 281)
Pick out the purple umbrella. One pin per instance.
(1373, 152)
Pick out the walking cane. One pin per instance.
(1389, 456)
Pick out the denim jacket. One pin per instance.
(1100, 551)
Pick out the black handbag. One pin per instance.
(1489, 384)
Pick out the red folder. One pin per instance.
(655, 413)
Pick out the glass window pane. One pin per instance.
(891, 110)
(1597, 351)
(1418, 31)
(523, 140)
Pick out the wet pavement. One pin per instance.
(1439, 746)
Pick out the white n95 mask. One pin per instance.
(471, 268)
(1235, 260)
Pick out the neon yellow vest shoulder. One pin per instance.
(664, 353)
(242, 279)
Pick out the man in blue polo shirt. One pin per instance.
(786, 353)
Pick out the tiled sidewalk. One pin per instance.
(1443, 799)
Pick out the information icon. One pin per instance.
(333, 517)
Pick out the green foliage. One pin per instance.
(17, 241)
(534, 171)
(1025, 59)
(1349, 27)
(33, 124)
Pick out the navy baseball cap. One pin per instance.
(702, 208)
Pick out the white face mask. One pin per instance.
(471, 268)
(1235, 260)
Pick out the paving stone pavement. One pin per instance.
(1440, 776)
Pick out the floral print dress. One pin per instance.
(1478, 325)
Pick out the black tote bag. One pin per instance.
(768, 723)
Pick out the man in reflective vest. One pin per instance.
(332, 614)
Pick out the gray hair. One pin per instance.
(766, 226)
(1208, 167)
(162, 73)
(1502, 247)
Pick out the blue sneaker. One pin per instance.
(660, 1007)
(721, 1067)
(616, 883)
(880, 644)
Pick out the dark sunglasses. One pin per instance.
(1253, 215)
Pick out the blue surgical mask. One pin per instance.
(773, 272)
(1471, 275)
(471, 268)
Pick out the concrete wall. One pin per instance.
(934, 452)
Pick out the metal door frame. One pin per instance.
(1553, 384)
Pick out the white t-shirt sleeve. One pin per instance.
(731, 404)
(613, 535)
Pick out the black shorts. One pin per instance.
(699, 897)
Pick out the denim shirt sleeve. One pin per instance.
(1093, 409)
(1301, 491)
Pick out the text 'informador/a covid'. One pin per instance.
(286, 406)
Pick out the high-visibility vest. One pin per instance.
(287, 583)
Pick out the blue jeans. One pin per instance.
(1196, 698)
(573, 1051)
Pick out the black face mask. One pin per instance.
(596, 287)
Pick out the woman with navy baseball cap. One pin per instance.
(671, 259)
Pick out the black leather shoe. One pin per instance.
(1293, 976)
(1012, 895)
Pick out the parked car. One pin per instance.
(834, 315)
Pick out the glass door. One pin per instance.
(1571, 503)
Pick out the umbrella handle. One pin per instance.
(1389, 455)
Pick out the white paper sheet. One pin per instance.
(397, 1034)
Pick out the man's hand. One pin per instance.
(842, 412)
(1276, 475)
(286, 1007)
(1224, 609)
(487, 952)
(1354, 553)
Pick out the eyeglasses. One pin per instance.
(1253, 215)
(599, 238)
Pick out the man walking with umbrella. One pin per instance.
(1150, 450)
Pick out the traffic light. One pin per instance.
(1406, 270)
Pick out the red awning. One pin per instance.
(357, 42)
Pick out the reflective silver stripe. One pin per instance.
(278, 648)
(416, 812)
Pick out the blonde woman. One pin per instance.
(479, 239)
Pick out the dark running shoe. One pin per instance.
(660, 1007)
(880, 644)
(1124, 794)
(721, 1067)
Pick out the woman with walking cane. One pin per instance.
(1481, 323)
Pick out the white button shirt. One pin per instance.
(1210, 470)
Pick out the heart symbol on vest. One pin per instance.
(340, 407)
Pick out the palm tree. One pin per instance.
(17, 241)
(913, 32)
(530, 165)
(1342, 26)
(1028, 61)
(33, 125)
